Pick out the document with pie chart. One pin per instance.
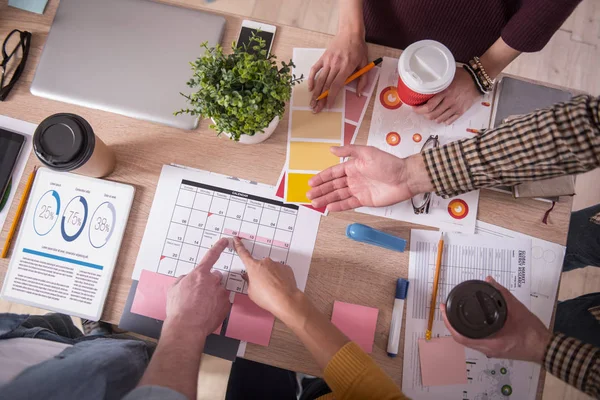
(68, 243)
(397, 129)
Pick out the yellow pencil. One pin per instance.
(355, 75)
(436, 279)
(19, 213)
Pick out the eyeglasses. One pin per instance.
(422, 201)
(15, 50)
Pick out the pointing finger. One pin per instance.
(242, 252)
(211, 257)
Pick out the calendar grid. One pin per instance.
(203, 214)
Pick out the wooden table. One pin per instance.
(341, 269)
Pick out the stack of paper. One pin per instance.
(465, 257)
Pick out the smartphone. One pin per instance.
(265, 31)
(10, 147)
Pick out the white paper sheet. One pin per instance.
(465, 257)
(457, 214)
(192, 209)
(546, 267)
(26, 129)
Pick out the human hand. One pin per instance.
(271, 285)
(371, 178)
(523, 336)
(346, 52)
(197, 302)
(448, 105)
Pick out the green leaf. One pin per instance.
(242, 92)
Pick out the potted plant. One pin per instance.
(244, 94)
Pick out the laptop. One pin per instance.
(130, 57)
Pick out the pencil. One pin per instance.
(355, 75)
(436, 279)
(19, 213)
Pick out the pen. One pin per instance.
(436, 279)
(397, 314)
(19, 212)
(355, 75)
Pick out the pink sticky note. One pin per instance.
(249, 322)
(356, 322)
(443, 362)
(354, 106)
(151, 295)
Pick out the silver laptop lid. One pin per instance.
(129, 57)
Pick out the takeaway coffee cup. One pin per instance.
(425, 68)
(66, 142)
(476, 309)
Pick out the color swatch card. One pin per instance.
(356, 106)
(280, 192)
(357, 322)
(397, 129)
(249, 322)
(68, 243)
(310, 135)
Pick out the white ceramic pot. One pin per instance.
(258, 137)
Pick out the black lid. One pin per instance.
(64, 141)
(476, 309)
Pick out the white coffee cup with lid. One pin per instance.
(425, 68)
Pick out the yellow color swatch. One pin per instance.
(296, 187)
(324, 125)
(311, 156)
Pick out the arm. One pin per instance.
(528, 30)
(447, 106)
(561, 140)
(349, 372)
(196, 305)
(346, 52)
(524, 337)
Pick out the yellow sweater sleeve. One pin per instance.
(352, 374)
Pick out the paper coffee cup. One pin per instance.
(425, 68)
(66, 142)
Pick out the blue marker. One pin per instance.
(366, 234)
(397, 314)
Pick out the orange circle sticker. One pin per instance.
(458, 209)
(417, 137)
(389, 98)
(392, 138)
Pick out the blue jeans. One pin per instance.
(94, 368)
(573, 317)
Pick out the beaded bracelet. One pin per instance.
(473, 74)
(482, 76)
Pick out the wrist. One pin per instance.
(292, 309)
(540, 344)
(184, 330)
(417, 177)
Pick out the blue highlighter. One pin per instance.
(366, 234)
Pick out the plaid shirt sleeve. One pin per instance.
(561, 140)
(574, 362)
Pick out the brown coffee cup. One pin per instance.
(66, 142)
